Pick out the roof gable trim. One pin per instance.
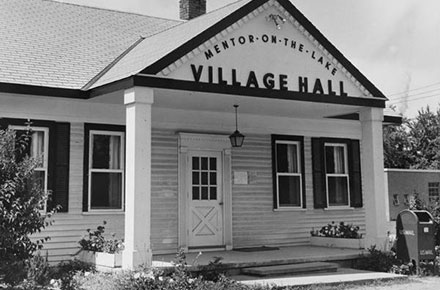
(213, 34)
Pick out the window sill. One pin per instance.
(339, 208)
(109, 212)
(290, 209)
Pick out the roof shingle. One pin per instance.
(64, 45)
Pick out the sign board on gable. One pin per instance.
(258, 55)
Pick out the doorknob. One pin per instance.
(220, 203)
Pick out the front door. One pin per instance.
(205, 219)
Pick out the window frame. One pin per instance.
(346, 174)
(431, 186)
(46, 153)
(299, 142)
(108, 130)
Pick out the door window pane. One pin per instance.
(195, 193)
(195, 178)
(204, 163)
(205, 193)
(195, 163)
(213, 193)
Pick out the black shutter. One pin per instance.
(274, 172)
(319, 194)
(355, 174)
(85, 203)
(59, 169)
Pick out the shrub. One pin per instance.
(96, 242)
(65, 271)
(377, 261)
(21, 198)
(341, 230)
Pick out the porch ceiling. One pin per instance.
(217, 102)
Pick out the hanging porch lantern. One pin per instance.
(236, 138)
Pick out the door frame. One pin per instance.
(204, 142)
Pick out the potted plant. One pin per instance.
(101, 251)
(338, 235)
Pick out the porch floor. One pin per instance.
(282, 256)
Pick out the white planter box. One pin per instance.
(101, 259)
(337, 242)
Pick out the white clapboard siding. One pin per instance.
(255, 223)
(164, 188)
(68, 228)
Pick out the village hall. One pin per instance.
(240, 127)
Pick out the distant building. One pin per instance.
(403, 184)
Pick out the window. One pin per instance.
(50, 141)
(288, 168)
(106, 170)
(336, 166)
(37, 148)
(396, 201)
(336, 173)
(104, 175)
(433, 191)
(204, 178)
(406, 199)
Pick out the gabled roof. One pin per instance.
(52, 44)
(83, 48)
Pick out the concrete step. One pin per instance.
(342, 276)
(290, 269)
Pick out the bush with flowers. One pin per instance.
(341, 230)
(95, 241)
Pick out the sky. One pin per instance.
(394, 43)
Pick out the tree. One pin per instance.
(415, 144)
(397, 146)
(21, 199)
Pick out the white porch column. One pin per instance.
(138, 101)
(373, 176)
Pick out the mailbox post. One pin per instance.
(415, 236)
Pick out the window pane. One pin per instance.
(287, 158)
(204, 163)
(34, 145)
(38, 179)
(338, 190)
(106, 152)
(37, 147)
(329, 159)
(204, 178)
(213, 193)
(106, 190)
(213, 178)
(196, 178)
(196, 193)
(195, 161)
(289, 190)
(335, 159)
(204, 193)
(212, 163)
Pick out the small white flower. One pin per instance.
(160, 278)
(137, 275)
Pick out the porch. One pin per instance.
(245, 258)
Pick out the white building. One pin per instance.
(133, 115)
